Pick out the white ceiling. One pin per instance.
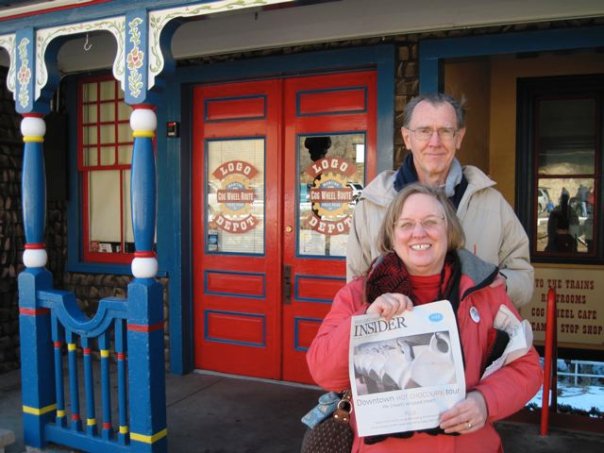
(348, 19)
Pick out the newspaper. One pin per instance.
(519, 343)
(407, 371)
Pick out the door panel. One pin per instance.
(236, 218)
(278, 166)
(329, 132)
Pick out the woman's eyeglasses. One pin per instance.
(430, 223)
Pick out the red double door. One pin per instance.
(277, 166)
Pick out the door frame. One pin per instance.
(174, 160)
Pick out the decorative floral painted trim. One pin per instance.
(114, 25)
(24, 74)
(117, 25)
(135, 58)
(159, 19)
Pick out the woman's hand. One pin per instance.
(389, 305)
(466, 416)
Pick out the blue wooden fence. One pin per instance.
(55, 332)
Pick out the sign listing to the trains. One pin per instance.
(579, 308)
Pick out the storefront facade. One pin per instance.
(269, 119)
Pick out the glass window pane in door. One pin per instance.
(331, 176)
(234, 194)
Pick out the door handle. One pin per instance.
(287, 285)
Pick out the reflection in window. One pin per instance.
(235, 196)
(566, 163)
(565, 218)
(566, 139)
(330, 180)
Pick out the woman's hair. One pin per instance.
(455, 234)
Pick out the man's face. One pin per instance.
(433, 156)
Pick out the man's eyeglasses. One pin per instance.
(430, 224)
(425, 133)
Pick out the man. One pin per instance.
(433, 129)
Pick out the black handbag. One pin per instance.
(333, 434)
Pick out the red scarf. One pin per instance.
(387, 274)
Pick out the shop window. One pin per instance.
(560, 127)
(104, 157)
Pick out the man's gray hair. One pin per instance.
(436, 99)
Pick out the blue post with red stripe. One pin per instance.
(37, 364)
(120, 355)
(145, 328)
(147, 388)
(37, 357)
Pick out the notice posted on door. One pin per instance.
(407, 371)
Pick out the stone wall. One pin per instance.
(11, 227)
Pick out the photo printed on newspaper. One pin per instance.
(405, 372)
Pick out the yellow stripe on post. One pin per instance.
(149, 439)
(38, 412)
(33, 138)
(104, 353)
(143, 134)
(71, 346)
(123, 429)
(60, 414)
(91, 421)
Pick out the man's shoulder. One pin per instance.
(384, 178)
(381, 189)
(480, 183)
(482, 191)
(477, 177)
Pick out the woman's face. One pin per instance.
(420, 235)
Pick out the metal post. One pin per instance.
(549, 372)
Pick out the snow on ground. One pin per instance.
(578, 397)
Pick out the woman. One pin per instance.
(423, 261)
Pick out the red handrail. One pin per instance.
(550, 378)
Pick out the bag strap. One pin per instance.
(344, 408)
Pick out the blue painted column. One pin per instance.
(147, 387)
(37, 371)
(33, 190)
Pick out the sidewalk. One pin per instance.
(210, 413)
